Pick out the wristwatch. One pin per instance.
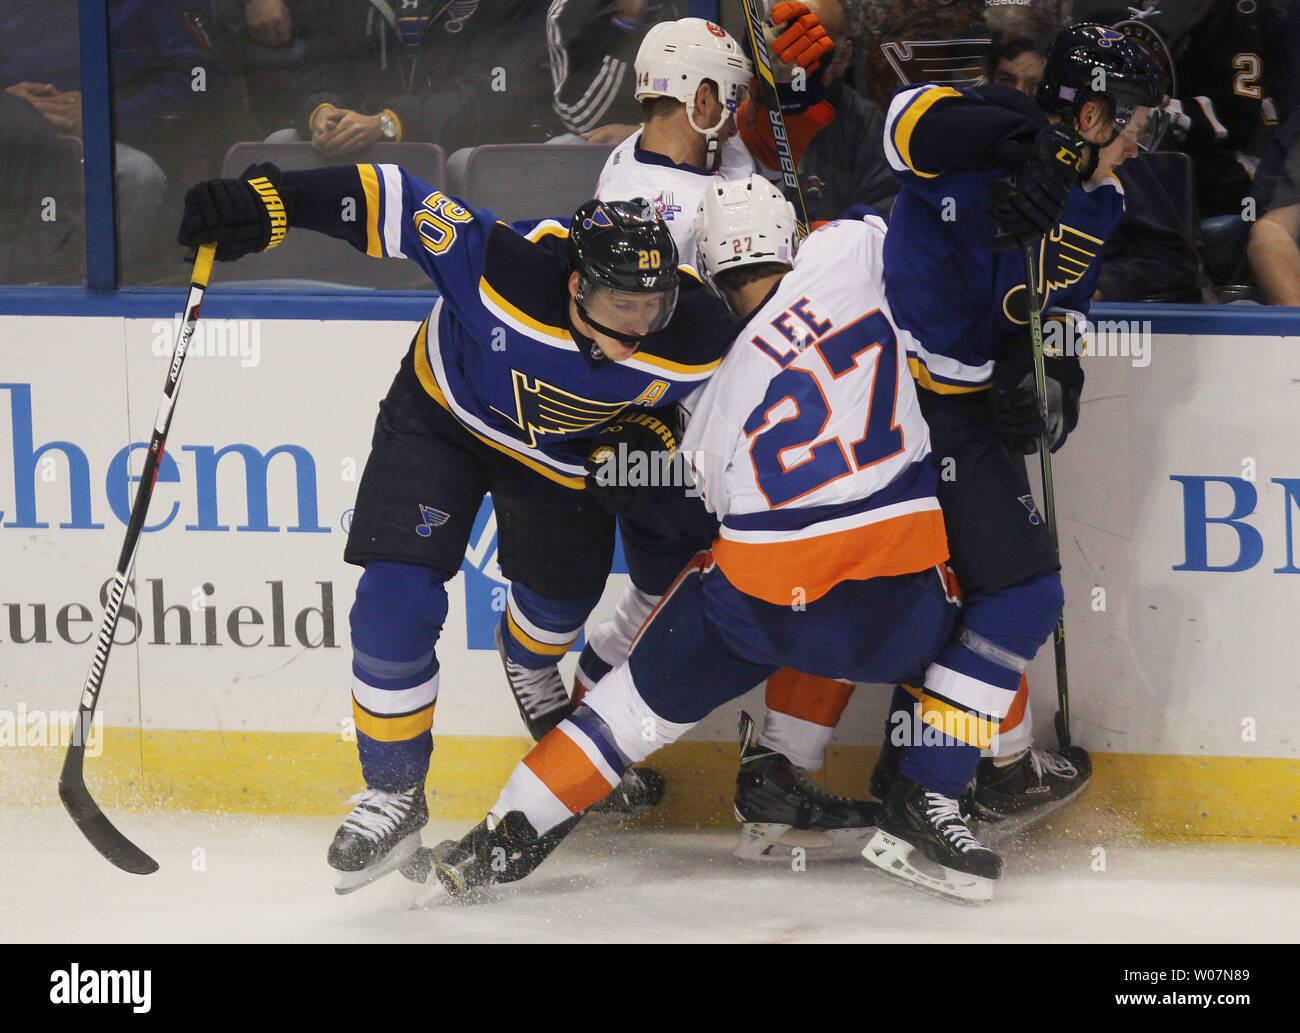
(387, 126)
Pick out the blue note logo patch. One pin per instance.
(1030, 504)
(430, 518)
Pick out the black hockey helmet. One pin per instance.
(1088, 60)
(624, 254)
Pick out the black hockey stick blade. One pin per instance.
(103, 836)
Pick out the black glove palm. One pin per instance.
(240, 215)
(1015, 401)
(1031, 202)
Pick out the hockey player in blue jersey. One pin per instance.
(811, 449)
(537, 341)
(976, 163)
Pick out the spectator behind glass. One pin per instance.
(845, 163)
(453, 72)
(1274, 248)
(42, 238)
(592, 46)
(1149, 256)
(158, 69)
(1238, 75)
(905, 41)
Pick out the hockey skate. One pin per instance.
(382, 831)
(1012, 798)
(496, 850)
(637, 793)
(923, 840)
(541, 695)
(781, 809)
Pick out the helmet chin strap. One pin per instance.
(711, 157)
(618, 335)
(1093, 152)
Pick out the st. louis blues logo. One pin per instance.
(461, 12)
(1064, 256)
(1030, 504)
(599, 217)
(432, 518)
(542, 408)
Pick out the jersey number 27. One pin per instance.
(828, 460)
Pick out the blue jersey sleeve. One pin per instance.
(386, 212)
(932, 130)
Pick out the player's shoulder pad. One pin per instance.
(702, 327)
(528, 270)
(908, 106)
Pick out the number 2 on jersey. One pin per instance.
(829, 460)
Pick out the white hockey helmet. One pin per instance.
(675, 57)
(743, 222)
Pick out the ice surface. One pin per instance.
(263, 879)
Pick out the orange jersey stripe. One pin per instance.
(819, 701)
(1017, 712)
(777, 572)
(567, 772)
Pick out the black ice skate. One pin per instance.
(781, 809)
(1012, 798)
(923, 840)
(382, 831)
(886, 770)
(637, 793)
(541, 696)
(494, 851)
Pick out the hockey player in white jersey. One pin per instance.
(691, 78)
(809, 446)
(681, 68)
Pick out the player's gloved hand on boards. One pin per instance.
(1015, 400)
(1030, 203)
(240, 216)
(801, 41)
(625, 460)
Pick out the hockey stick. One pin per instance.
(1062, 719)
(763, 64)
(101, 833)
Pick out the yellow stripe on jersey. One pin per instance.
(494, 298)
(534, 645)
(541, 230)
(906, 123)
(370, 185)
(922, 376)
(673, 367)
(424, 373)
(972, 729)
(392, 729)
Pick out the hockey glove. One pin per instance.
(1015, 401)
(240, 216)
(626, 461)
(1030, 203)
(802, 41)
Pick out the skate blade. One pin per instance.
(350, 882)
(993, 831)
(894, 857)
(774, 843)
